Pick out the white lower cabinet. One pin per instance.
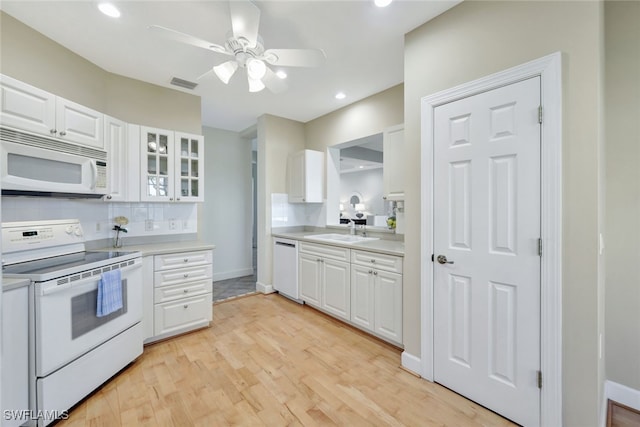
(361, 287)
(182, 293)
(376, 294)
(324, 277)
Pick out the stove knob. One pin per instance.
(78, 232)
(69, 229)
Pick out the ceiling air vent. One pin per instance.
(183, 83)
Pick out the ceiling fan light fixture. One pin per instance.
(256, 69)
(255, 85)
(281, 74)
(225, 71)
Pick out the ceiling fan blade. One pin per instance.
(206, 74)
(174, 35)
(245, 20)
(274, 83)
(294, 57)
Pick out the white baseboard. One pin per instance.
(265, 289)
(622, 394)
(224, 275)
(411, 363)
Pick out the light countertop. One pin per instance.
(389, 247)
(13, 283)
(167, 247)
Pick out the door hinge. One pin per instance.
(540, 114)
(540, 247)
(539, 379)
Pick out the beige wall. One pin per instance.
(277, 138)
(29, 56)
(622, 55)
(363, 118)
(475, 39)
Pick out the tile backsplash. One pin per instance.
(97, 217)
(285, 214)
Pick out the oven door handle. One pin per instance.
(54, 289)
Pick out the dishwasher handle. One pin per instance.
(290, 245)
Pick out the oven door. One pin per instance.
(66, 325)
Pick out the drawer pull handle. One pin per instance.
(186, 260)
(185, 275)
(186, 306)
(370, 271)
(375, 273)
(373, 260)
(186, 290)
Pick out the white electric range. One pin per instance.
(72, 351)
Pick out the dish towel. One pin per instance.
(109, 293)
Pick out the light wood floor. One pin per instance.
(267, 361)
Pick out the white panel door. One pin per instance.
(487, 225)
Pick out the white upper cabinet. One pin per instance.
(115, 137)
(31, 109)
(80, 124)
(305, 177)
(393, 163)
(189, 167)
(26, 107)
(172, 166)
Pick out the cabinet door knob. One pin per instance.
(375, 273)
(370, 271)
(186, 306)
(186, 290)
(185, 275)
(52, 131)
(186, 260)
(171, 199)
(373, 261)
(63, 133)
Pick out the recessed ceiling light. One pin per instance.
(382, 3)
(281, 74)
(340, 95)
(109, 10)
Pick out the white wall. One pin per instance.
(226, 216)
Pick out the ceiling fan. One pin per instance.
(246, 47)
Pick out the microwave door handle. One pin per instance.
(94, 174)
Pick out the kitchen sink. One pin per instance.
(340, 238)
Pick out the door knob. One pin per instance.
(443, 260)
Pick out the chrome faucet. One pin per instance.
(352, 227)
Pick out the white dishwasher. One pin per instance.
(285, 268)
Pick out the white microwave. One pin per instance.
(33, 165)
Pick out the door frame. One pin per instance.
(549, 68)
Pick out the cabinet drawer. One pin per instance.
(325, 251)
(184, 313)
(379, 261)
(191, 289)
(182, 275)
(182, 259)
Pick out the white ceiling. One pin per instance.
(363, 45)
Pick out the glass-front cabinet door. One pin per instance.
(157, 169)
(189, 167)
